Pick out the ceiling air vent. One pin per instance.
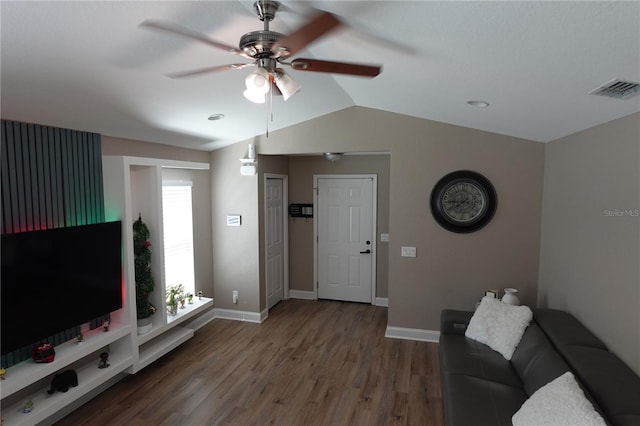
(619, 89)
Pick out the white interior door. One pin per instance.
(274, 219)
(345, 238)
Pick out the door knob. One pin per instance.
(367, 251)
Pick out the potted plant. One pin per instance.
(174, 295)
(143, 277)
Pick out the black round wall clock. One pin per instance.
(463, 201)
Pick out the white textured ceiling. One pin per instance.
(88, 66)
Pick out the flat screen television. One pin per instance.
(53, 280)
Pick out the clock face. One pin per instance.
(463, 201)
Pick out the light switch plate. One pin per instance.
(234, 220)
(408, 252)
(384, 238)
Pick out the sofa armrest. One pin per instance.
(454, 322)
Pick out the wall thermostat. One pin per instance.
(301, 210)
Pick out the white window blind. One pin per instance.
(177, 215)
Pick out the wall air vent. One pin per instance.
(619, 89)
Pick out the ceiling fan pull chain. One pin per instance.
(268, 105)
(271, 101)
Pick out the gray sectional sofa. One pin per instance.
(480, 387)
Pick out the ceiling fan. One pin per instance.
(269, 50)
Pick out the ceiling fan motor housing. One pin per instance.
(258, 43)
(266, 9)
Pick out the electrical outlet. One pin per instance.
(235, 296)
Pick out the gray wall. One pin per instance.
(451, 270)
(301, 172)
(236, 264)
(134, 148)
(590, 254)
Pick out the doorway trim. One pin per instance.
(374, 225)
(285, 233)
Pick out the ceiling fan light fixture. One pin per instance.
(255, 97)
(333, 156)
(258, 81)
(287, 86)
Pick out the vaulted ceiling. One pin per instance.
(89, 66)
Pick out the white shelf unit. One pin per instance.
(162, 339)
(133, 186)
(30, 381)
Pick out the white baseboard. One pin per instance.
(238, 315)
(412, 334)
(382, 301)
(302, 294)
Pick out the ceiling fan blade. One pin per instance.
(311, 31)
(193, 73)
(335, 67)
(189, 33)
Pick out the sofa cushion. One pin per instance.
(470, 400)
(536, 360)
(613, 385)
(560, 402)
(460, 355)
(563, 329)
(499, 325)
(454, 321)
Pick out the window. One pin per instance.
(177, 214)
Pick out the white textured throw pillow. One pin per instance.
(499, 325)
(560, 402)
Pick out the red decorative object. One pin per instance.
(43, 352)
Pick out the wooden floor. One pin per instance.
(309, 363)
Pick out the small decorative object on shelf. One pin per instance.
(106, 325)
(27, 406)
(80, 338)
(200, 295)
(174, 296)
(43, 352)
(190, 298)
(104, 360)
(491, 293)
(63, 381)
(511, 296)
(145, 325)
(144, 280)
(3, 373)
(172, 308)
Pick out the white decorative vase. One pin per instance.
(511, 296)
(145, 325)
